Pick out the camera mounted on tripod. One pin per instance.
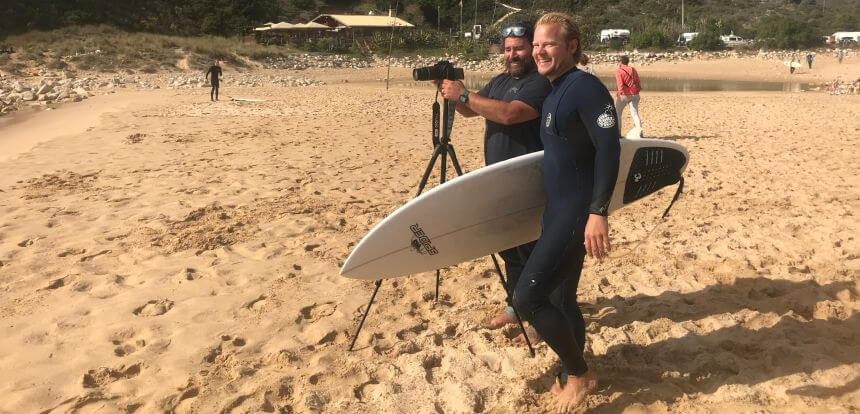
(441, 70)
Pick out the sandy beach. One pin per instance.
(163, 253)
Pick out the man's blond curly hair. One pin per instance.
(569, 30)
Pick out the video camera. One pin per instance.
(442, 70)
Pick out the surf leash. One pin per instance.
(663, 220)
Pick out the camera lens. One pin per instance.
(421, 74)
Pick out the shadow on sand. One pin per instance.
(693, 364)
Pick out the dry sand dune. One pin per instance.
(182, 256)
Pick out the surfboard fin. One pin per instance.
(635, 133)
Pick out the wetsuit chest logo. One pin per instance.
(607, 118)
(514, 90)
(548, 119)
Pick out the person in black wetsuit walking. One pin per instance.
(215, 80)
(579, 131)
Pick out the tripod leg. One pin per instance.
(442, 174)
(426, 175)
(454, 160)
(437, 285)
(516, 315)
(366, 311)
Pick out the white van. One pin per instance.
(846, 37)
(685, 38)
(608, 34)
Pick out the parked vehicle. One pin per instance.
(846, 37)
(685, 38)
(733, 40)
(607, 35)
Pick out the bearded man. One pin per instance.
(511, 103)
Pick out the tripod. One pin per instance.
(442, 146)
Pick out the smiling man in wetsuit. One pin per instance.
(511, 104)
(579, 131)
(215, 80)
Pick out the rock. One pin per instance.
(81, 92)
(45, 88)
(27, 96)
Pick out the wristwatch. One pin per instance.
(464, 98)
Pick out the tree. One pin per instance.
(708, 37)
(782, 32)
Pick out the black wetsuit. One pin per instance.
(215, 80)
(502, 142)
(579, 131)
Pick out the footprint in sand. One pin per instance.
(154, 307)
(411, 332)
(103, 376)
(128, 348)
(92, 256)
(56, 283)
(316, 312)
(69, 252)
(28, 242)
(257, 304)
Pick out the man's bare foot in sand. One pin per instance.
(500, 320)
(573, 393)
(534, 337)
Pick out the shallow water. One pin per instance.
(656, 84)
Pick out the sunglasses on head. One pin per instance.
(516, 31)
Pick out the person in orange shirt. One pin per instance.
(627, 81)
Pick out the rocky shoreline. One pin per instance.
(48, 87)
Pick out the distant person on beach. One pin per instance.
(792, 64)
(809, 58)
(627, 81)
(840, 54)
(214, 80)
(511, 104)
(583, 64)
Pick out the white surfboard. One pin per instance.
(494, 208)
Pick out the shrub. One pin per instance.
(780, 32)
(652, 38)
(616, 44)
(474, 50)
(707, 40)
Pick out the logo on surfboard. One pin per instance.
(548, 119)
(420, 242)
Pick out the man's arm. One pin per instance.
(597, 114)
(501, 112)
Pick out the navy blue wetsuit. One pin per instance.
(579, 131)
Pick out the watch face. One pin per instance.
(464, 97)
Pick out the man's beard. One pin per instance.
(526, 66)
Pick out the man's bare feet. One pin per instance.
(499, 321)
(534, 337)
(573, 393)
